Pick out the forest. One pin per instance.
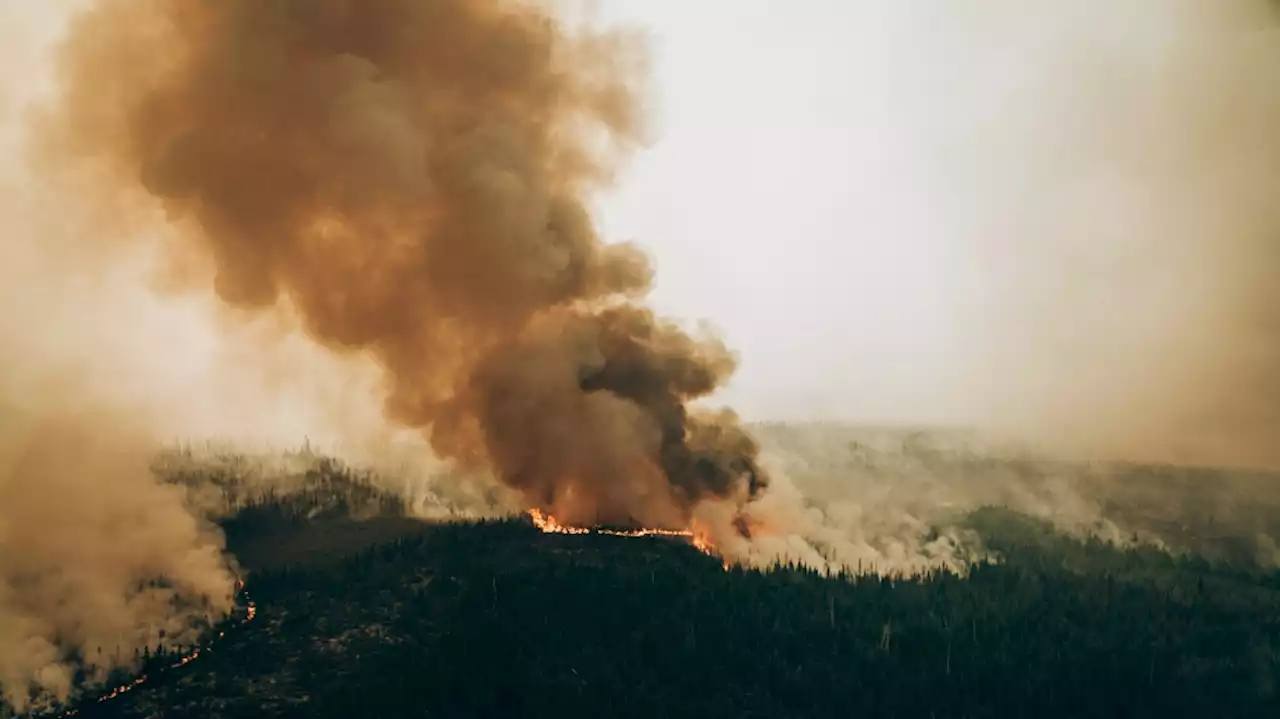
(360, 610)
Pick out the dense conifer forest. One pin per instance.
(359, 610)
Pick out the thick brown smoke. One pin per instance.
(97, 558)
(413, 179)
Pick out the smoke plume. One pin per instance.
(97, 559)
(413, 181)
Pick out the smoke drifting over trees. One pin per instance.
(85, 533)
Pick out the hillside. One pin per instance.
(498, 619)
(362, 610)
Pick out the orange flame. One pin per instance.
(251, 612)
(700, 539)
(551, 525)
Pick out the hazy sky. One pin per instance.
(781, 186)
(935, 210)
(784, 203)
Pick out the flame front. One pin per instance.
(699, 539)
(551, 525)
(251, 612)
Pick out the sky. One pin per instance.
(783, 201)
(780, 199)
(935, 211)
(1002, 212)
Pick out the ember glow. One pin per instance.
(698, 538)
(251, 612)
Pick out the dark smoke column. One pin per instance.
(413, 176)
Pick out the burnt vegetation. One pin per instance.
(363, 611)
